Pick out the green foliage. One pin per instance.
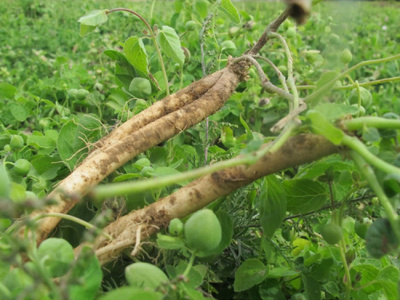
(59, 94)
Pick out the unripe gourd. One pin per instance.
(203, 232)
(175, 227)
(332, 233)
(346, 56)
(190, 25)
(140, 87)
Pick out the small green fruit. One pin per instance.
(190, 25)
(366, 97)
(346, 56)
(22, 167)
(291, 33)
(16, 142)
(72, 93)
(81, 94)
(144, 275)
(332, 233)
(140, 87)
(203, 232)
(175, 227)
(228, 47)
(360, 108)
(177, 67)
(234, 31)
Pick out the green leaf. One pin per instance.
(272, 205)
(136, 54)
(94, 18)
(86, 276)
(19, 112)
(7, 91)
(86, 29)
(321, 126)
(125, 67)
(169, 242)
(304, 195)
(312, 288)
(56, 255)
(73, 135)
(171, 44)
(250, 273)
(202, 8)
(380, 238)
(334, 111)
(326, 78)
(230, 10)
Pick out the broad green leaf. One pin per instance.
(131, 293)
(230, 10)
(94, 18)
(370, 134)
(327, 78)
(122, 62)
(56, 255)
(195, 276)
(369, 274)
(202, 8)
(272, 205)
(136, 54)
(380, 238)
(334, 111)
(7, 91)
(5, 183)
(74, 135)
(250, 273)
(86, 276)
(304, 195)
(312, 288)
(171, 44)
(19, 112)
(321, 126)
(86, 29)
(318, 168)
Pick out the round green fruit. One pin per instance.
(72, 93)
(291, 32)
(175, 227)
(140, 87)
(81, 94)
(228, 47)
(22, 166)
(190, 25)
(366, 97)
(332, 233)
(203, 231)
(16, 142)
(234, 31)
(144, 275)
(346, 56)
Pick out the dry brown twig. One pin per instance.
(158, 123)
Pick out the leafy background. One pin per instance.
(59, 93)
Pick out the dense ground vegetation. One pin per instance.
(60, 93)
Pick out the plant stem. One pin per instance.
(381, 123)
(352, 86)
(318, 93)
(190, 264)
(153, 38)
(369, 174)
(354, 144)
(73, 219)
(290, 80)
(342, 249)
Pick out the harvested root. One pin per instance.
(142, 133)
(297, 150)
